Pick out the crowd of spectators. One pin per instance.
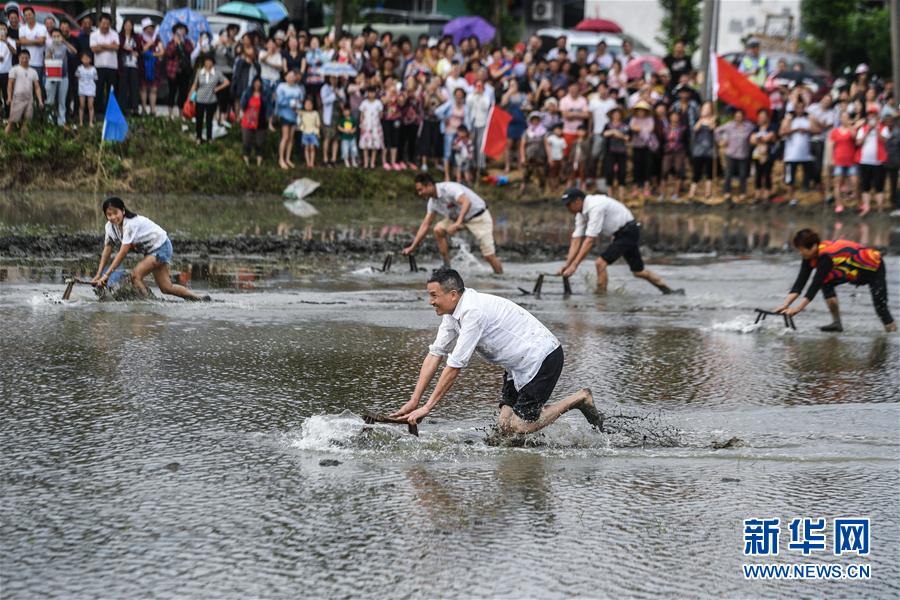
(374, 102)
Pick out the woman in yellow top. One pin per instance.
(310, 123)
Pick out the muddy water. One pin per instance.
(167, 449)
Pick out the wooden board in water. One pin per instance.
(371, 417)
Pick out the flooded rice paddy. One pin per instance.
(182, 450)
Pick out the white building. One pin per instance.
(737, 19)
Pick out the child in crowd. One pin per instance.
(347, 127)
(534, 151)
(309, 123)
(556, 151)
(463, 154)
(578, 157)
(371, 138)
(674, 152)
(87, 88)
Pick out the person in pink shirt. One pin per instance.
(574, 109)
(843, 153)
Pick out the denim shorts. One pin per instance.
(163, 254)
(851, 171)
(310, 139)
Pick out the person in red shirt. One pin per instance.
(843, 158)
(253, 121)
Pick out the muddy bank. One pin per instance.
(655, 241)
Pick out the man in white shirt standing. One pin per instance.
(599, 214)
(32, 37)
(478, 107)
(505, 334)
(105, 46)
(462, 209)
(599, 106)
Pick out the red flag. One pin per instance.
(494, 142)
(734, 88)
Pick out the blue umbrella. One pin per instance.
(195, 22)
(274, 10)
(336, 69)
(464, 27)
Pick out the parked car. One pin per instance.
(134, 13)
(588, 40)
(791, 59)
(398, 22)
(42, 12)
(219, 22)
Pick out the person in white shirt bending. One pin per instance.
(131, 231)
(596, 214)
(462, 209)
(505, 334)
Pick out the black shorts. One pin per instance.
(626, 242)
(871, 178)
(528, 402)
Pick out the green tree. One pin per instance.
(844, 33)
(681, 22)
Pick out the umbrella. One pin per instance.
(599, 25)
(194, 21)
(638, 67)
(274, 10)
(792, 79)
(336, 69)
(464, 27)
(245, 10)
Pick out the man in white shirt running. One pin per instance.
(505, 334)
(596, 214)
(462, 209)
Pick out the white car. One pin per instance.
(219, 22)
(588, 40)
(135, 14)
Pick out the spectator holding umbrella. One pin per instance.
(178, 68)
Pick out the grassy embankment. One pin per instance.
(158, 157)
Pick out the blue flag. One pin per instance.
(114, 124)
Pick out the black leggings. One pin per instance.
(763, 177)
(205, 111)
(641, 165)
(701, 165)
(878, 286)
(178, 90)
(610, 162)
(408, 134)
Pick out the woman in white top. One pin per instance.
(130, 230)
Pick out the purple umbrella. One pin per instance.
(464, 27)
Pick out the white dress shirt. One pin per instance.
(500, 330)
(601, 214)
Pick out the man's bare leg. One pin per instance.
(835, 311)
(602, 276)
(583, 400)
(495, 263)
(656, 280)
(440, 235)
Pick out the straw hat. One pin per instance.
(642, 105)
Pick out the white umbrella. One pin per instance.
(336, 69)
